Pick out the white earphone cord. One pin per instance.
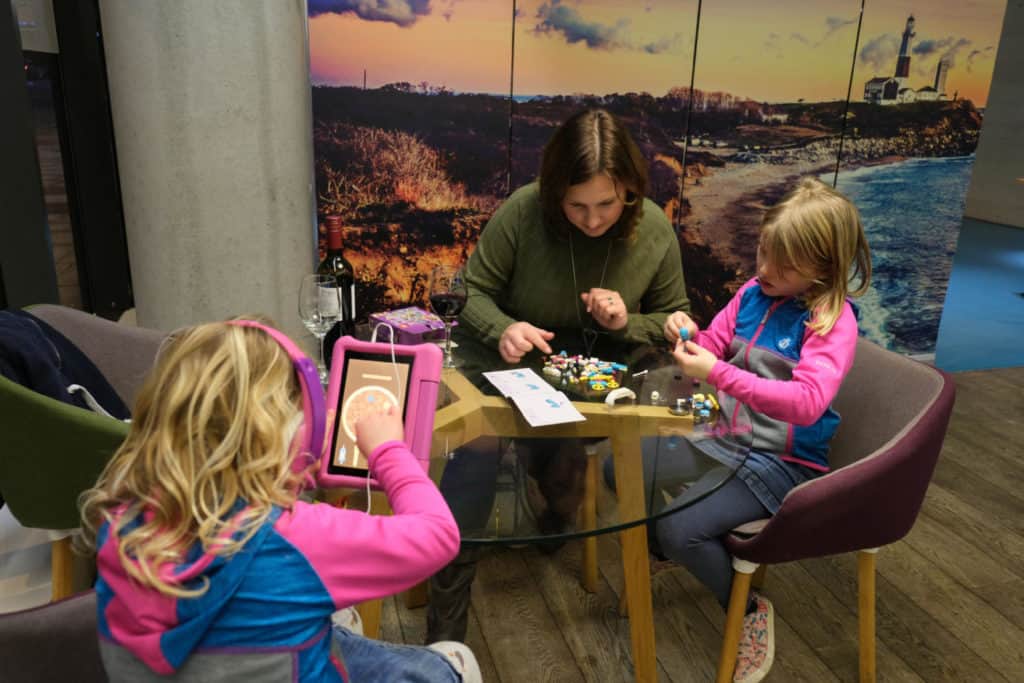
(398, 390)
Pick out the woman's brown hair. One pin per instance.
(590, 143)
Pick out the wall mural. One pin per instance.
(920, 85)
(428, 112)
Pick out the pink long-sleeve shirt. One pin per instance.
(277, 594)
(788, 375)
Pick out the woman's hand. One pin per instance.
(676, 322)
(607, 308)
(695, 360)
(377, 427)
(520, 338)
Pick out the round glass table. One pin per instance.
(623, 467)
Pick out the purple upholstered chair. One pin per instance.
(55, 642)
(59, 642)
(894, 417)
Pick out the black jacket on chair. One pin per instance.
(40, 358)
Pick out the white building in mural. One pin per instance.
(895, 89)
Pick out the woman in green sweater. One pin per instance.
(579, 261)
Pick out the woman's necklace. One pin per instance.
(590, 335)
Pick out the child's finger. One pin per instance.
(679, 353)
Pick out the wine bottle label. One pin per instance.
(329, 303)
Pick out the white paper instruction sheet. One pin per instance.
(539, 402)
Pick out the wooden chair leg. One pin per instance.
(743, 572)
(61, 568)
(757, 581)
(866, 613)
(588, 514)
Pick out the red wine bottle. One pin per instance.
(337, 266)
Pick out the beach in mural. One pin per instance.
(414, 148)
(911, 205)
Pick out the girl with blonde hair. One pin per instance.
(205, 551)
(781, 347)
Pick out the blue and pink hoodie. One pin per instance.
(273, 600)
(786, 374)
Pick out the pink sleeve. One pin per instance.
(801, 400)
(717, 337)
(361, 557)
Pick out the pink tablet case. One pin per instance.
(421, 402)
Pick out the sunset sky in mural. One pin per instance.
(768, 51)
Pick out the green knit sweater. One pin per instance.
(520, 272)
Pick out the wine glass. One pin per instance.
(447, 298)
(319, 310)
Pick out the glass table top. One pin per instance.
(508, 483)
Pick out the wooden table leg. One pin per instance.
(589, 520)
(370, 610)
(416, 596)
(635, 563)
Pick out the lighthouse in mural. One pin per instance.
(903, 61)
(895, 89)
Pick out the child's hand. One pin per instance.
(695, 360)
(677, 321)
(375, 428)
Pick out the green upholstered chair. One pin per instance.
(53, 450)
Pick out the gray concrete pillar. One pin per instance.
(211, 109)
(996, 193)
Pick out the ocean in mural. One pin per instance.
(912, 212)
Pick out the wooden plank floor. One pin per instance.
(950, 595)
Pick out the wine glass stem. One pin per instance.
(447, 344)
(320, 366)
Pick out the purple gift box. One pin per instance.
(412, 325)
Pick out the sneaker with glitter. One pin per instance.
(757, 643)
(461, 658)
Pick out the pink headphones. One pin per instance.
(309, 440)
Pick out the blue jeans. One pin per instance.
(693, 537)
(373, 661)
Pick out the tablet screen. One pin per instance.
(368, 381)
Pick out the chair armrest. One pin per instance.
(868, 504)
